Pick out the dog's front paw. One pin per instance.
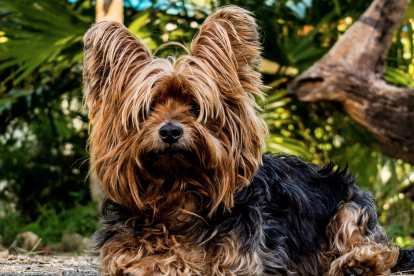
(357, 271)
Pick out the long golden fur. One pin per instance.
(222, 61)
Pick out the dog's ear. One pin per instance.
(227, 50)
(228, 43)
(113, 57)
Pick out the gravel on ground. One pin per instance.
(17, 265)
(43, 266)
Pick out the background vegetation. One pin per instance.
(43, 126)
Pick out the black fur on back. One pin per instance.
(405, 263)
(282, 214)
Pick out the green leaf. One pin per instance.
(306, 40)
(139, 22)
(398, 77)
(16, 93)
(48, 28)
(337, 7)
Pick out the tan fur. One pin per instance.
(123, 80)
(124, 84)
(350, 244)
(156, 253)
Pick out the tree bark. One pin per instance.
(352, 74)
(106, 10)
(109, 10)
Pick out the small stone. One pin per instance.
(4, 253)
(27, 240)
(2, 248)
(73, 242)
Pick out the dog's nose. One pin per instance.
(170, 133)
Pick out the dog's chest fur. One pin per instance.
(277, 225)
(158, 254)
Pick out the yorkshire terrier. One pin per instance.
(178, 146)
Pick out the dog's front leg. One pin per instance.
(356, 244)
(128, 255)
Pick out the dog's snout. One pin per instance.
(170, 133)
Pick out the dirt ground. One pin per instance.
(40, 266)
(57, 265)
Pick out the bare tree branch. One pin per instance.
(352, 74)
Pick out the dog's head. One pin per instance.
(182, 132)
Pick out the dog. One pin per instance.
(178, 146)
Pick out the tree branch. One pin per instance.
(352, 73)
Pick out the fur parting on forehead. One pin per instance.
(158, 75)
(136, 99)
(201, 84)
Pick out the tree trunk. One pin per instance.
(109, 10)
(106, 10)
(352, 74)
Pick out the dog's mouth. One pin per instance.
(172, 151)
(172, 157)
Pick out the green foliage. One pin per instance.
(11, 224)
(50, 29)
(298, 33)
(43, 128)
(42, 150)
(50, 225)
(403, 242)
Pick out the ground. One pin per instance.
(57, 265)
(40, 266)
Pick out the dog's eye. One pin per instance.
(146, 113)
(195, 110)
